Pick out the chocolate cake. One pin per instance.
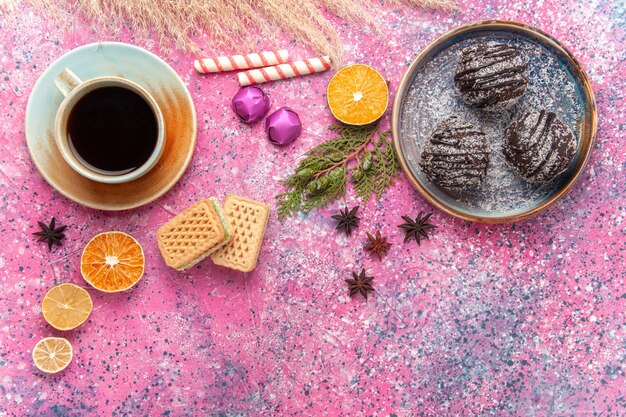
(490, 75)
(457, 156)
(539, 146)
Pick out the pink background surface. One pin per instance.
(520, 319)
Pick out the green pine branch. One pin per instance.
(363, 155)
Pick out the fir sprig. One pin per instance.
(362, 154)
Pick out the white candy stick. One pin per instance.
(237, 62)
(282, 71)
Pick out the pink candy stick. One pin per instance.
(282, 71)
(237, 62)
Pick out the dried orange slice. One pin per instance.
(52, 354)
(66, 306)
(357, 95)
(112, 262)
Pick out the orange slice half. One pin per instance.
(66, 306)
(112, 262)
(52, 354)
(357, 95)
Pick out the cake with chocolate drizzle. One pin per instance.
(490, 75)
(539, 146)
(457, 156)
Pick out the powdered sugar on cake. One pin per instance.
(538, 146)
(457, 156)
(490, 75)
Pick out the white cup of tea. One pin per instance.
(108, 129)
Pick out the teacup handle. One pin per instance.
(66, 81)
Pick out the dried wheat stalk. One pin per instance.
(230, 24)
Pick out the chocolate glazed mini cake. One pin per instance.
(539, 146)
(457, 156)
(490, 76)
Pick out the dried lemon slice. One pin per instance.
(66, 306)
(52, 354)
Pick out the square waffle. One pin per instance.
(248, 219)
(193, 234)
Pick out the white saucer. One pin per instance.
(147, 70)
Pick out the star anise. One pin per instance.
(418, 228)
(377, 245)
(50, 234)
(347, 220)
(360, 284)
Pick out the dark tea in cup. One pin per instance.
(112, 130)
(109, 129)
